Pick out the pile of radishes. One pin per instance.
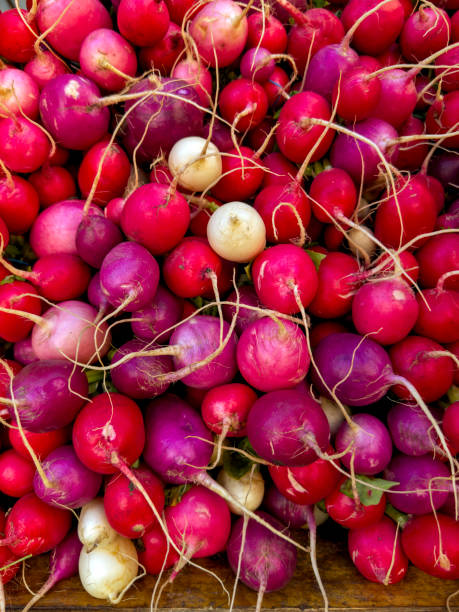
(229, 297)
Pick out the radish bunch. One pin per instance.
(229, 287)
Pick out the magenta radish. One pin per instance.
(243, 103)
(287, 427)
(19, 203)
(53, 184)
(24, 146)
(95, 238)
(348, 513)
(63, 564)
(126, 508)
(219, 30)
(197, 76)
(143, 24)
(272, 354)
(333, 195)
(336, 283)
(369, 444)
(97, 297)
(377, 553)
(450, 424)
(412, 154)
(44, 67)
(397, 98)
(438, 314)
(103, 54)
(246, 316)
(16, 474)
(155, 320)
(242, 175)
(447, 68)
(285, 278)
(16, 38)
(139, 377)
(69, 24)
(438, 256)
(69, 111)
(327, 67)
(258, 557)
(165, 53)
(73, 484)
(33, 527)
(21, 297)
(48, 394)
(425, 32)
(441, 117)
(386, 309)
(68, 331)
(356, 94)
(225, 409)
(280, 171)
(277, 88)
(108, 432)
(267, 31)
(257, 64)
(19, 92)
(411, 430)
(422, 483)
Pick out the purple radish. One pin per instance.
(287, 427)
(48, 394)
(246, 316)
(273, 354)
(97, 297)
(138, 377)
(369, 443)
(326, 66)
(423, 483)
(291, 514)
(257, 64)
(129, 276)
(72, 483)
(63, 564)
(152, 321)
(411, 430)
(95, 237)
(23, 351)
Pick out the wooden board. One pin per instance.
(198, 591)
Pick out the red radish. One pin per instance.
(431, 374)
(336, 282)
(72, 483)
(53, 184)
(179, 8)
(438, 314)
(378, 30)
(261, 560)
(126, 509)
(165, 53)
(438, 256)
(225, 409)
(441, 118)
(69, 110)
(387, 310)
(323, 329)
(18, 296)
(63, 564)
(397, 98)
(261, 136)
(139, 377)
(95, 238)
(102, 54)
(421, 484)
(285, 277)
(272, 354)
(243, 103)
(267, 31)
(425, 32)
(153, 321)
(143, 24)
(69, 24)
(306, 484)
(279, 170)
(33, 527)
(48, 394)
(450, 74)
(333, 195)
(411, 430)
(19, 94)
(41, 443)
(188, 269)
(245, 316)
(392, 56)
(430, 543)
(113, 165)
(296, 136)
(426, 94)
(108, 431)
(6, 558)
(59, 157)
(16, 39)
(200, 216)
(346, 512)
(24, 146)
(196, 75)
(276, 87)
(156, 216)
(4, 236)
(376, 552)
(369, 444)
(129, 276)
(5, 378)
(242, 175)
(412, 154)
(44, 67)
(156, 554)
(327, 66)
(287, 427)
(114, 209)
(356, 94)
(18, 203)
(450, 424)
(16, 474)
(220, 32)
(257, 64)
(385, 264)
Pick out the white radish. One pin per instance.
(360, 242)
(236, 232)
(195, 165)
(333, 413)
(108, 570)
(249, 490)
(93, 527)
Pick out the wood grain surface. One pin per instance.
(198, 591)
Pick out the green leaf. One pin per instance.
(453, 394)
(396, 515)
(174, 495)
(367, 494)
(316, 257)
(10, 279)
(248, 271)
(237, 464)
(320, 3)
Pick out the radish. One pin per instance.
(438, 314)
(195, 163)
(24, 146)
(257, 64)
(439, 255)
(165, 53)
(16, 474)
(66, 25)
(430, 543)
(69, 111)
(33, 527)
(412, 154)
(377, 553)
(291, 514)
(245, 316)
(16, 39)
(450, 424)
(48, 394)
(156, 319)
(44, 67)
(249, 489)
(95, 238)
(42, 443)
(356, 94)
(19, 92)
(333, 195)
(277, 88)
(336, 282)
(411, 430)
(243, 103)
(441, 118)
(53, 184)
(63, 564)
(449, 74)
(397, 98)
(369, 444)
(327, 66)
(236, 232)
(125, 507)
(196, 75)
(225, 409)
(73, 485)
(352, 514)
(267, 31)
(301, 428)
(319, 332)
(241, 175)
(19, 297)
(272, 354)
(93, 527)
(19, 203)
(425, 32)
(6, 559)
(143, 24)
(156, 555)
